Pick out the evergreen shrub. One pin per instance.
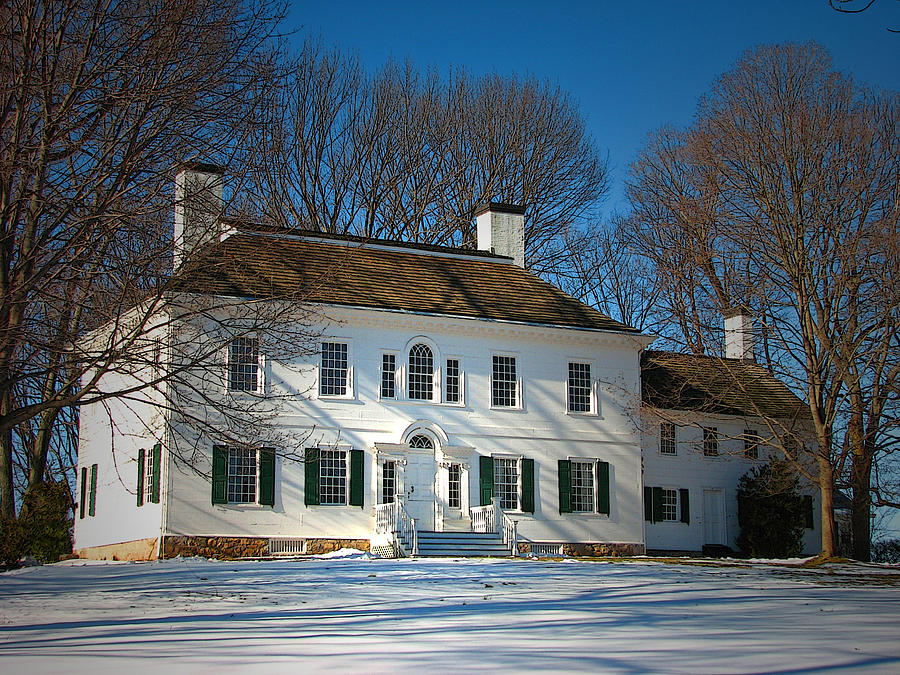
(770, 512)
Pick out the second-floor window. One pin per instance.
(420, 383)
(243, 365)
(504, 382)
(579, 389)
(752, 441)
(710, 441)
(452, 381)
(334, 370)
(667, 438)
(388, 374)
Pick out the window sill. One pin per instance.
(337, 399)
(516, 409)
(416, 402)
(588, 514)
(591, 415)
(242, 506)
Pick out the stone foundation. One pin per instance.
(319, 546)
(139, 549)
(224, 548)
(599, 550)
(229, 548)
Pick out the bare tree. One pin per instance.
(97, 101)
(406, 155)
(782, 198)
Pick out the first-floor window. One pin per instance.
(243, 476)
(333, 477)
(667, 438)
(88, 491)
(388, 481)
(669, 504)
(579, 387)
(454, 486)
(710, 441)
(243, 365)
(582, 486)
(333, 374)
(148, 475)
(504, 382)
(506, 482)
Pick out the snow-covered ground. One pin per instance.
(355, 614)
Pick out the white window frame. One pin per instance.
(346, 453)
(228, 477)
(677, 506)
(381, 478)
(519, 393)
(593, 474)
(593, 391)
(674, 428)
(148, 475)
(709, 439)
(757, 440)
(260, 367)
(518, 460)
(350, 393)
(461, 383)
(437, 392)
(397, 369)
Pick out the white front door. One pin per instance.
(418, 488)
(713, 517)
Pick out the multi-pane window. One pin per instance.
(334, 370)
(451, 381)
(506, 482)
(582, 486)
(241, 482)
(710, 441)
(667, 438)
(420, 441)
(504, 382)
(388, 481)
(752, 441)
(454, 486)
(148, 478)
(669, 504)
(421, 373)
(579, 387)
(332, 477)
(243, 364)
(388, 373)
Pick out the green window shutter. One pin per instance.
(528, 485)
(565, 486)
(219, 475)
(486, 466)
(156, 455)
(267, 476)
(311, 477)
(92, 499)
(685, 495)
(809, 521)
(658, 515)
(81, 503)
(648, 504)
(603, 488)
(357, 478)
(140, 482)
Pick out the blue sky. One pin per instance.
(632, 66)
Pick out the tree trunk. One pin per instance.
(826, 486)
(7, 496)
(861, 509)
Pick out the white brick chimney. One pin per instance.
(501, 229)
(198, 208)
(739, 338)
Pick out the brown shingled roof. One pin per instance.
(386, 275)
(715, 385)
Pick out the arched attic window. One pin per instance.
(420, 384)
(420, 441)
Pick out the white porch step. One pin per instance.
(461, 544)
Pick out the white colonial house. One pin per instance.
(453, 402)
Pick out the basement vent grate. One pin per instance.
(384, 551)
(287, 546)
(546, 549)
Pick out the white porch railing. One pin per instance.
(491, 518)
(395, 520)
